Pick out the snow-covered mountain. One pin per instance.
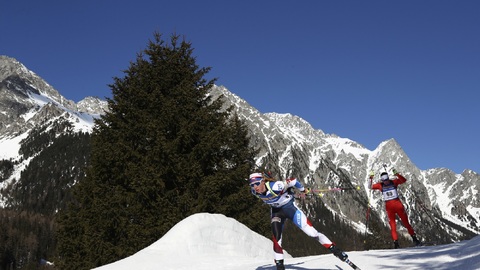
(26, 99)
(29, 105)
(438, 199)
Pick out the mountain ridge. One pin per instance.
(288, 146)
(353, 158)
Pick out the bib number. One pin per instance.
(390, 194)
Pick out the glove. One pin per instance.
(394, 171)
(307, 191)
(371, 174)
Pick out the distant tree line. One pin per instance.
(43, 186)
(27, 222)
(25, 238)
(6, 169)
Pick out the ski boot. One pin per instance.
(416, 241)
(338, 253)
(279, 264)
(395, 244)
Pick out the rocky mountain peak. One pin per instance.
(92, 105)
(14, 75)
(26, 100)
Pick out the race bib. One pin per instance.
(389, 193)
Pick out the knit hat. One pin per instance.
(255, 177)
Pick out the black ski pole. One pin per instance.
(369, 206)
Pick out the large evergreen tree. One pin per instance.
(164, 151)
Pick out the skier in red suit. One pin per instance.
(393, 205)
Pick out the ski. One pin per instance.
(352, 264)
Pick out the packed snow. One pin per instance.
(213, 241)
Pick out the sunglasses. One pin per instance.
(254, 184)
(384, 177)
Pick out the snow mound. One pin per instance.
(201, 236)
(213, 234)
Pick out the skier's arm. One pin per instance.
(278, 187)
(377, 186)
(293, 182)
(370, 180)
(400, 179)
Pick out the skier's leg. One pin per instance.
(302, 222)
(277, 222)
(393, 224)
(404, 218)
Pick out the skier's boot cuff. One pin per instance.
(415, 240)
(338, 253)
(279, 264)
(395, 244)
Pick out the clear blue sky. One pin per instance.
(364, 70)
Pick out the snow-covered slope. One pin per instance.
(212, 241)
